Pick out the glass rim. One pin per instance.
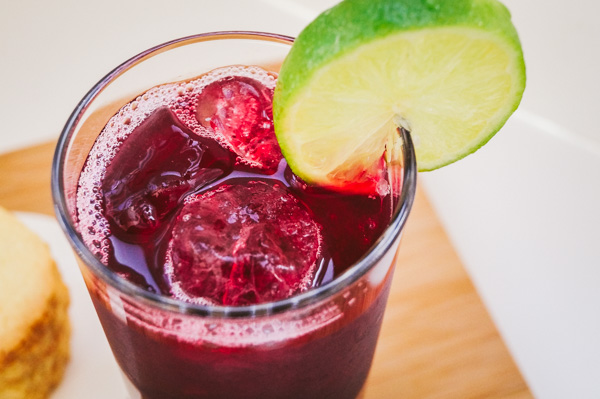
(302, 300)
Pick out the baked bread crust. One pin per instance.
(34, 325)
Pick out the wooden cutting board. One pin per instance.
(437, 339)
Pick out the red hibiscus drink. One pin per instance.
(215, 271)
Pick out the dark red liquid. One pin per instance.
(163, 163)
(331, 363)
(218, 218)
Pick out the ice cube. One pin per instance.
(154, 168)
(240, 109)
(244, 242)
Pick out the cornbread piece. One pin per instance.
(34, 326)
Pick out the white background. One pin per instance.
(522, 212)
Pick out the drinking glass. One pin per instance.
(318, 344)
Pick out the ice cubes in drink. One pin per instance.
(240, 109)
(160, 162)
(243, 243)
(179, 196)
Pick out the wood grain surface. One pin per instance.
(437, 339)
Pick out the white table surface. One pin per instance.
(522, 212)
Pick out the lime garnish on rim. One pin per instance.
(449, 71)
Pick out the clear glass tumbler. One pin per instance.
(318, 344)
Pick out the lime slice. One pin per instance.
(449, 71)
